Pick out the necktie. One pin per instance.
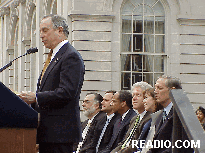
(47, 62)
(164, 117)
(131, 133)
(85, 131)
(120, 122)
(102, 133)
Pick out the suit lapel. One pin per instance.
(52, 64)
(162, 125)
(125, 120)
(145, 118)
(138, 129)
(109, 129)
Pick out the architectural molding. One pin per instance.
(191, 20)
(91, 15)
(4, 11)
(47, 6)
(13, 8)
(28, 17)
(26, 41)
(10, 49)
(22, 1)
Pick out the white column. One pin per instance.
(5, 56)
(39, 45)
(21, 49)
(1, 52)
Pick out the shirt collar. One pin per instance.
(109, 117)
(123, 116)
(57, 48)
(142, 115)
(90, 120)
(168, 108)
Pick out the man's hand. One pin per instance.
(28, 97)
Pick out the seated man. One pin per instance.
(138, 122)
(92, 109)
(104, 127)
(112, 117)
(122, 104)
(163, 120)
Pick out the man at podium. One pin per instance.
(58, 89)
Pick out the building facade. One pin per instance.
(121, 42)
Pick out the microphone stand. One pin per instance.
(29, 51)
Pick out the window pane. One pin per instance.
(159, 25)
(137, 43)
(137, 63)
(127, 24)
(149, 25)
(159, 44)
(137, 24)
(125, 83)
(136, 77)
(159, 63)
(143, 30)
(125, 63)
(149, 43)
(148, 77)
(126, 42)
(148, 63)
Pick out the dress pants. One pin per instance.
(55, 147)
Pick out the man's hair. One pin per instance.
(143, 85)
(98, 98)
(58, 21)
(172, 81)
(200, 109)
(111, 91)
(125, 95)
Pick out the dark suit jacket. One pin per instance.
(58, 97)
(108, 133)
(119, 132)
(91, 148)
(88, 142)
(136, 135)
(164, 132)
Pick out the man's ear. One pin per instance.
(97, 106)
(123, 103)
(60, 29)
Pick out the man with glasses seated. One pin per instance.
(92, 110)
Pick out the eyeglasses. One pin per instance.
(86, 101)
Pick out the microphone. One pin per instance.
(32, 50)
(29, 51)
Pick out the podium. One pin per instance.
(18, 123)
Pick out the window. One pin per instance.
(143, 55)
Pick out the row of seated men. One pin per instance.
(118, 118)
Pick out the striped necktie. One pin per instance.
(47, 62)
(84, 134)
(102, 133)
(164, 117)
(132, 132)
